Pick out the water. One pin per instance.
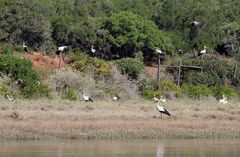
(135, 148)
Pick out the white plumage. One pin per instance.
(223, 100)
(203, 51)
(10, 98)
(158, 51)
(163, 100)
(25, 48)
(92, 49)
(61, 48)
(162, 110)
(115, 98)
(195, 23)
(86, 98)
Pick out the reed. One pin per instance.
(44, 119)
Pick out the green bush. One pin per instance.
(196, 91)
(89, 64)
(214, 71)
(149, 94)
(130, 66)
(228, 91)
(18, 68)
(70, 95)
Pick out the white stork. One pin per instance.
(59, 53)
(10, 98)
(25, 48)
(86, 98)
(195, 23)
(60, 49)
(223, 100)
(115, 98)
(158, 51)
(162, 110)
(93, 50)
(203, 51)
(163, 100)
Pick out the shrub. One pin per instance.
(214, 71)
(18, 68)
(70, 94)
(149, 94)
(130, 66)
(196, 91)
(88, 64)
(218, 92)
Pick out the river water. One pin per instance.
(122, 148)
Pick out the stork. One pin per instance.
(86, 98)
(180, 52)
(158, 50)
(61, 49)
(195, 23)
(25, 48)
(59, 53)
(93, 50)
(203, 51)
(155, 99)
(223, 100)
(163, 100)
(115, 98)
(162, 110)
(10, 98)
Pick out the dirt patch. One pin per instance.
(41, 61)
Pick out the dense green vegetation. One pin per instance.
(22, 77)
(121, 30)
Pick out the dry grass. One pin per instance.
(132, 119)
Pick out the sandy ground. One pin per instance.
(41, 119)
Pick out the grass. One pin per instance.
(40, 119)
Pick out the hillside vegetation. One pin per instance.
(125, 35)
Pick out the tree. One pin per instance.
(129, 33)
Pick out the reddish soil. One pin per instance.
(41, 61)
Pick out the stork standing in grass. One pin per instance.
(162, 110)
(10, 98)
(163, 100)
(25, 48)
(86, 98)
(59, 54)
(204, 51)
(223, 100)
(115, 98)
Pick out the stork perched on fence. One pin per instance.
(159, 51)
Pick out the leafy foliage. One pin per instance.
(130, 66)
(21, 69)
(87, 64)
